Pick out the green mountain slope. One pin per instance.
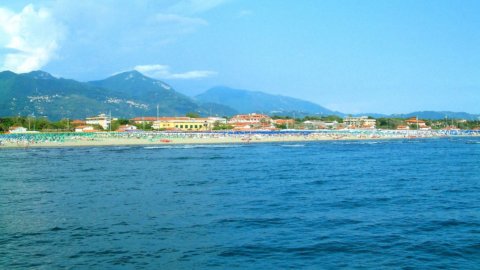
(245, 101)
(39, 93)
(150, 91)
(125, 95)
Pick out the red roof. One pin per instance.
(283, 121)
(151, 119)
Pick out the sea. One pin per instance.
(386, 204)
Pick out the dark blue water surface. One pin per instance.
(411, 204)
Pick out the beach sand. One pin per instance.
(233, 139)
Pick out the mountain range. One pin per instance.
(131, 94)
(125, 95)
(245, 101)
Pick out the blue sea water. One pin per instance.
(399, 204)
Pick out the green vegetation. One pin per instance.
(35, 124)
(192, 115)
(390, 123)
(329, 118)
(144, 126)
(219, 126)
(120, 122)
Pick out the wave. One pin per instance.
(293, 145)
(188, 146)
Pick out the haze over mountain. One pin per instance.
(438, 115)
(245, 101)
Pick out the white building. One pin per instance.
(102, 119)
(84, 129)
(219, 120)
(17, 129)
(316, 124)
(359, 122)
(250, 118)
(126, 128)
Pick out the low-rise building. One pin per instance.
(360, 122)
(219, 120)
(85, 129)
(414, 121)
(182, 123)
(126, 128)
(151, 119)
(78, 122)
(17, 129)
(317, 124)
(286, 122)
(253, 120)
(102, 120)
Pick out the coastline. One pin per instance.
(156, 139)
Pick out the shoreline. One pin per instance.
(105, 140)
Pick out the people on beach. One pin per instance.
(113, 138)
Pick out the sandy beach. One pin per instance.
(123, 139)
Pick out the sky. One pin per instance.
(352, 56)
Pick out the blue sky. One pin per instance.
(351, 56)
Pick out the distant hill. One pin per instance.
(132, 94)
(39, 93)
(245, 101)
(125, 95)
(437, 115)
(150, 91)
(432, 115)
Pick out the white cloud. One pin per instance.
(163, 72)
(177, 23)
(244, 13)
(195, 6)
(177, 19)
(30, 37)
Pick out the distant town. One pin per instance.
(242, 122)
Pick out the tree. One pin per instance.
(192, 115)
(219, 126)
(114, 125)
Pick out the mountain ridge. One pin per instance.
(131, 93)
(245, 101)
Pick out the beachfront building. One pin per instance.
(78, 122)
(182, 123)
(402, 127)
(289, 123)
(359, 122)
(85, 129)
(102, 120)
(126, 128)
(219, 120)
(17, 129)
(250, 118)
(151, 119)
(317, 124)
(415, 122)
(251, 121)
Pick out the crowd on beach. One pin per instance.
(25, 140)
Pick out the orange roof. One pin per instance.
(250, 116)
(283, 121)
(241, 124)
(151, 119)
